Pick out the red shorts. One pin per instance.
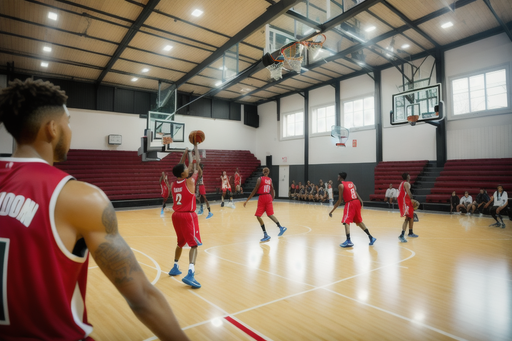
(225, 189)
(405, 206)
(187, 228)
(352, 212)
(264, 205)
(237, 183)
(202, 190)
(165, 191)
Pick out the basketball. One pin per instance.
(415, 204)
(196, 137)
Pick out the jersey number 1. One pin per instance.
(4, 252)
(266, 188)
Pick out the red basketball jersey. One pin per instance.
(402, 193)
(43, 284)
(237, 178)
(349, 191)
(183, 199)
(265, 185)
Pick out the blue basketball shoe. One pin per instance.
(175, 271)
(347, 243)
(282, 230)
(190, 280)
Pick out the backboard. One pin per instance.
(424, 102)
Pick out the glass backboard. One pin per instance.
(424, 102)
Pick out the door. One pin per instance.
(284, 172)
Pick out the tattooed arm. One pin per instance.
(84, 211)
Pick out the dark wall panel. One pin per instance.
(220, 109)
(105, 98)
(235, 111)
(251, 117)
(123, 101)
(202, 107)
(142, 102)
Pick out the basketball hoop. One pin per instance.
(315, 46)
(276, 70)
(339, 135)
(293, 55)
(166, 139)
(413, 119)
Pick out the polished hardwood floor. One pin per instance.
(453, 282)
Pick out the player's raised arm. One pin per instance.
(198, 161)
(340, 195)
(254, 191)
(83, 210)
(184, 156)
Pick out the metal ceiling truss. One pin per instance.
(498, 19)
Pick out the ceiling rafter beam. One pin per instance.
(132, 31)
(409, 23)
(498, 19)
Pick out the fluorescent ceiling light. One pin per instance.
(356, 37)
(446, 25)
(222, 68)
(134, 79)
(47, 49)
(218, 83)
(167, 47)
(197, 13)
(145, 70)
(44, 64)
(405, 46)
(371, 28)
(52, 15)
(361, 63)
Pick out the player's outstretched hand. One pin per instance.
(330, 214)
(245, 203)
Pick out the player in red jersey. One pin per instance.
(49, 222)
(184, 217)
(238, 183)
(406, 208)
(352, 211)
(265, 189)
(226, 189)
(202, 195)
(166, 190)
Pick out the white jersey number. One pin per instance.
(4, 252)
(178, 199)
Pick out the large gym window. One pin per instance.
(322, 119)
(293, 124)
(480, 92)
(359, 112)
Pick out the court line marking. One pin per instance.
(399, 316)
(157, 266)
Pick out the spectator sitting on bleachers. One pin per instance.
(322, 194)
(302, 193)
(321, 184)
(390, 196)
(297, 191)
(500, 200)
(465, 202)
(291, 192)
(454, 202)
(481, 199)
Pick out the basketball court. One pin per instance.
(450, 283)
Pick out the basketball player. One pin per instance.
(352, 212)
(265, 189)
(406, 208)
(49, 222)
(500, 203)
(226, 189)
(238, 182)
(202, 193)
(184, 217)
(166, 190)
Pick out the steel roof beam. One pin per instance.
(132, 31)
(498, 19)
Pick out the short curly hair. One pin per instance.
(24, 103)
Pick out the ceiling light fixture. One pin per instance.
(446, 25)
(369, 29)
(167, 48)
(405, 46)
(218, 83)
(145, 70)
(44, 64)
(52, 15)
(47, 49)
(197, 13)
(134, 79)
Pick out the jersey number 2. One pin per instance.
(4, 252)
(178, 199)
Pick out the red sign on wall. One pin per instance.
(354, 143)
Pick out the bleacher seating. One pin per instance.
(390, 172)
(123, 176)
(471, 175)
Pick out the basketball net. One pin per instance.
(340, 135)
(276, 70)
(315, 44)
(293, 56)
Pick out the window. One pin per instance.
(480, 92)
(293, 124)
(359, 113)
(322, 119)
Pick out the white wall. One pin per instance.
(485, 136)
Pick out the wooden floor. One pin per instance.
(453, 282)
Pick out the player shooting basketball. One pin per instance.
(406, 207)
(184, 217)
(352, 211)
(53, 223)
(265, 189)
